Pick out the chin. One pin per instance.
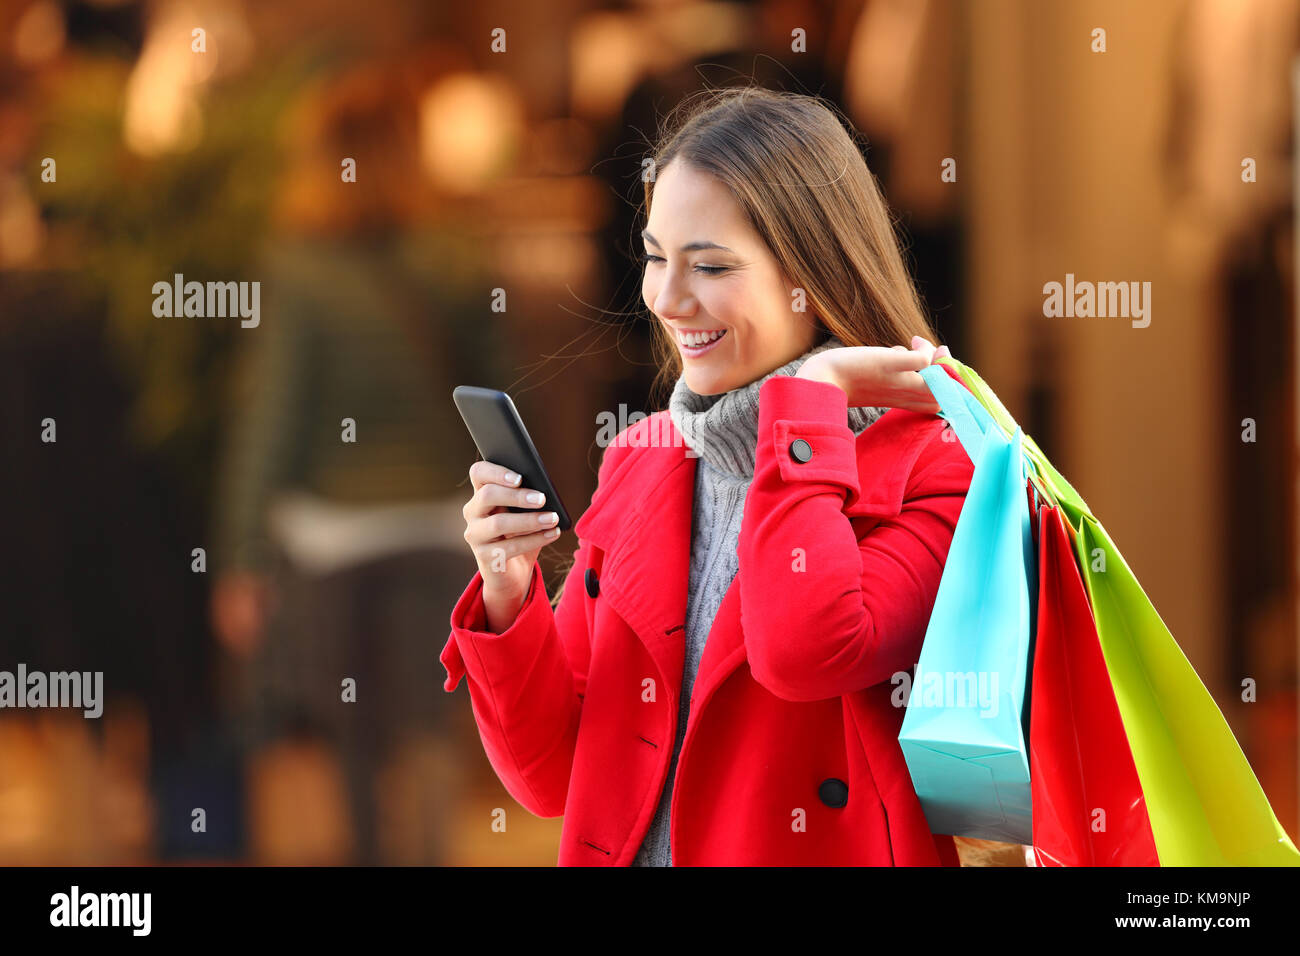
(708, 383)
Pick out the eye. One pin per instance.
(707, 270)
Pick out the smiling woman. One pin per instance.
(713, 686)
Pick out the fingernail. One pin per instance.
(552, 532)
(535, 497)
(549, 518)
(512, 478)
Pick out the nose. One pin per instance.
(673, 299)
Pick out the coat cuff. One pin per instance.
(470, 642)
(793, 409)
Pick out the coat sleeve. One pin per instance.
(826, 614)
(526, 684)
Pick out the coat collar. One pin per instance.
(641, 520)
(652, 479)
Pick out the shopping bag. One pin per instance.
(1089, 809)
(1205, 804)
(963, 733)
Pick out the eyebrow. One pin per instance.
(690, 246)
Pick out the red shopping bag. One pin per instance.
(1089, 809)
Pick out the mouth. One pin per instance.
(695, 344)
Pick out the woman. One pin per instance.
(758, 560)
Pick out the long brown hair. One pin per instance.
(802, 182)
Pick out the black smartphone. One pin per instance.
(499, 432)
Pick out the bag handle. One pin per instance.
(968, 418)
(1044, 478)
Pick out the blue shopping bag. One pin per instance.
(965, 731)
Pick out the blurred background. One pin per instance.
(203, 533)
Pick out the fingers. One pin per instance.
(909, 360)
(927, 348)
(507, 548)
(497, 535)
(491, 491)
(912, 392)
(482, 472)
(930, 407)
(919, 398)
(923, 346)
(486, 517)
(508, 524)
(492, 495)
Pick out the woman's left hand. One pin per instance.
(877, 376)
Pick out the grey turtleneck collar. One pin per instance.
(723, 428)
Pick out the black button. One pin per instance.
(800, 450)
(834, 792)
(593, 583)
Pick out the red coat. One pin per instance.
(791, 752)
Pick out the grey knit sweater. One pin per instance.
(723, 430)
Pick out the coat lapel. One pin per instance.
(643, 524)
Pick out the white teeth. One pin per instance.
(696, 339)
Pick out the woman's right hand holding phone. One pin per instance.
(505, 543)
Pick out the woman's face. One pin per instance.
(707, 271)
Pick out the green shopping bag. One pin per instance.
(1205, 803)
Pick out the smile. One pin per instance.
(695, 344)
